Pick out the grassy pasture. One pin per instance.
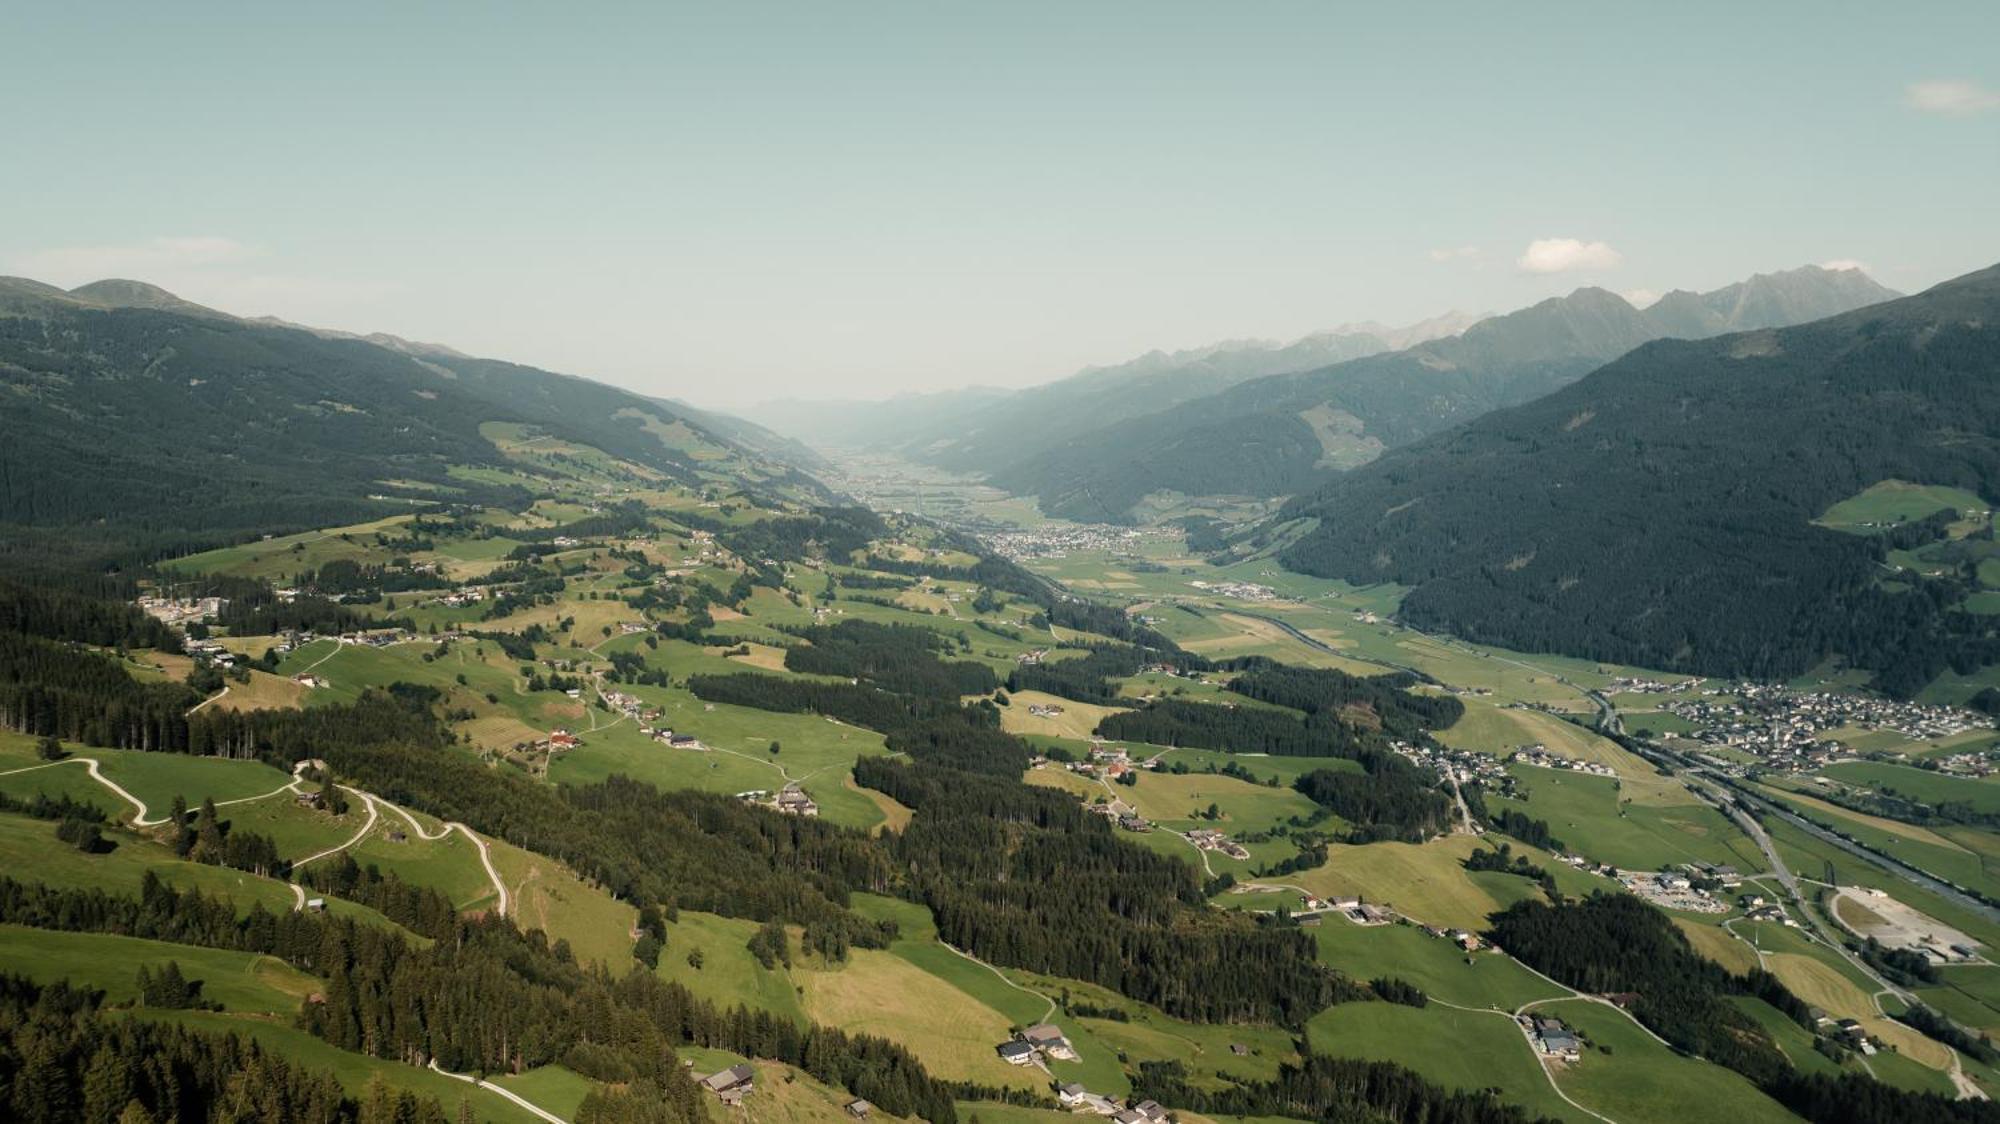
(240, 981)
(1717, 943)
(1591, 814)
(1021, 1004)
(265, 691)
(449, 865)
(1792, 1040)
(155, 778)
(1818, 983)
(1966, 856)
(282, 555)
(299, 832)
(1879, 506)
(548, 896)
(1437, 966)
(728, 975)
(877, 992)
(552, 1087)
(28, 845)
(1424, 881)
(1919, 784)
(1176, 799)
(1150, 1033)
(1969, 994)
(1642, 1082)
(1077, 720)
(1457, 1049)
(1286, 769)
(814, 751)
(354, 1071)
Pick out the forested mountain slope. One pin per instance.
(1282, 434)
(983, 429)
(1658, 512)
(126, 406)
(1029, 423)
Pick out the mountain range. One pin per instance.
(1285, 433)
(981, 429)
(1660, 511)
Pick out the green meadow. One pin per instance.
(354, 1071)
(1593, 815)
(240, 981)
(1628, 1076)
(1436, 965)
(1982, 793)
(1468, 1050)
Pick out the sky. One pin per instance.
(743, 201)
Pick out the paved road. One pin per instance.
(1967, 1090)
(1608, 721)
(1901, 870)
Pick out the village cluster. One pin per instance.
(1784, 727)
(1061, 540)
(1241, 591)
(1538, 755)
(1463, 765)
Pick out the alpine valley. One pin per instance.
(1579, 714)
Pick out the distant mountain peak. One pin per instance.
(119, 292)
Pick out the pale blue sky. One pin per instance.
(737, 201)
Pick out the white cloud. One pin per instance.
(1839, 264)
(1454, 253)
(1641, 298)
(1954, 96)
(74, 265)
(1562, 255)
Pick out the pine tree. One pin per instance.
(207, 835)
(183, 835)
(107, 1084)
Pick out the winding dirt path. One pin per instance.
(1003, 979)
(485, 853)
(476, 1083)
(373, 815)
(140, 818)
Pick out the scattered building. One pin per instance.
(1554, 1039)
(1050, 1041)
(793, 801)
(731, 1085)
